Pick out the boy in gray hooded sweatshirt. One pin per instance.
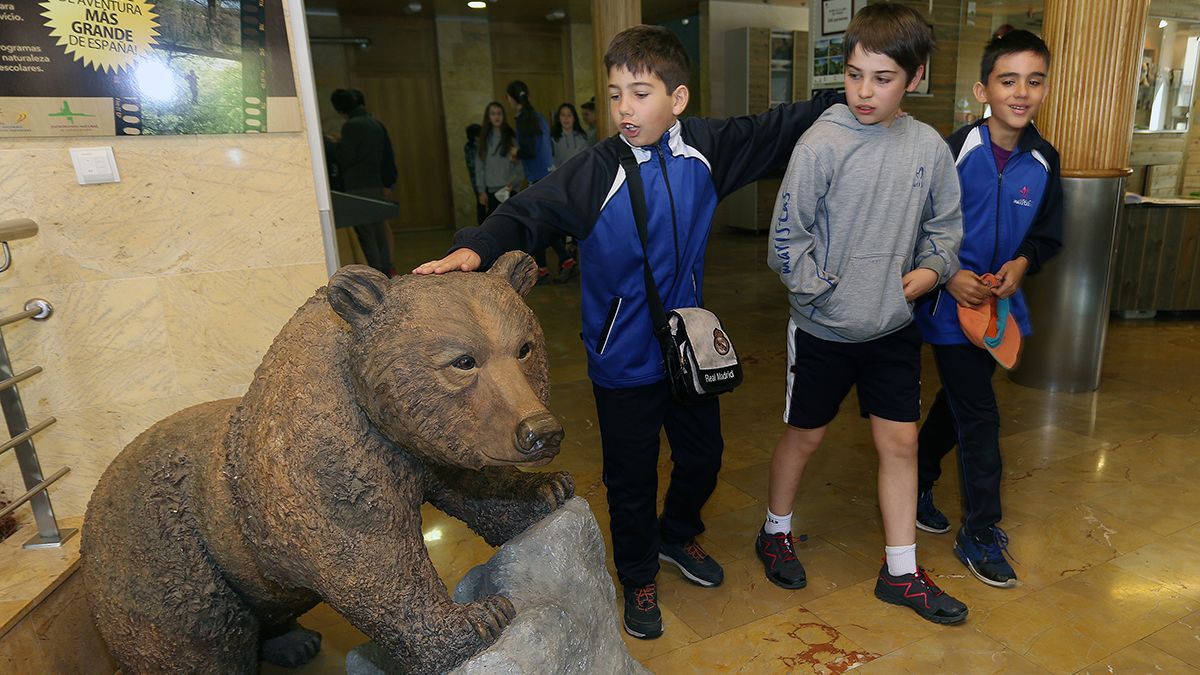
(866, 221)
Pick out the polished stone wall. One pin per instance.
(168, 287)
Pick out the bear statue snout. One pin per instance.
(539, 435)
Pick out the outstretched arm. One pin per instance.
(567, 200)
(748, 147)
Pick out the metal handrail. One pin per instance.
(36, 309)
(19, 377)
(10, 230)
(34, 491)
(49, 534)
(26, 435)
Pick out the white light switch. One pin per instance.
(95, 165)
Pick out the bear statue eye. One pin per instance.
(464, 362)
(525, 349)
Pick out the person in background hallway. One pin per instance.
(360, 159)
(587, 113)
(495, 168)
(470, 150)
(536, 153)
(569, 139)
(389, 173)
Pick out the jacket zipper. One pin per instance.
(999, 197)
(662, 162)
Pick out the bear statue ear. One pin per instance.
(355, 291)
(516, 268)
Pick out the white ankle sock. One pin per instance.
(901, 559)
(778, 524)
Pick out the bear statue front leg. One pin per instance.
(392, 593)
(499, 502)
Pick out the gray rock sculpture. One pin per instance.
(566, 621)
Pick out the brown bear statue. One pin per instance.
(215, 528)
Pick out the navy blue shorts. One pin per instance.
(886, 371)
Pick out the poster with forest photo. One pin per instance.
(143, 67)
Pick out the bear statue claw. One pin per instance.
(291, 649)
(558, 489)
(491, 615)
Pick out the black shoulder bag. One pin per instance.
(699, 356)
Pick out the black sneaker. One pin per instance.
(698, 566)
(643, 620)
(778, 556)
(929, 518)
(983, 554)
(918, 592)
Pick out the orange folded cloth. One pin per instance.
(990, 326)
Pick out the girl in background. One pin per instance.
(495, 168)
(536, 154)
(569, 138)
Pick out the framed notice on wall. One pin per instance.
(144, 67)
(835, 16)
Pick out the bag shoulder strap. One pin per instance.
(637, 199)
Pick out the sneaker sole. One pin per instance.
(945, 621)
(958, 553)
(688, 575)
(641, 636)
(922, 526)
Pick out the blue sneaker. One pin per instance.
(983, 554)
(929, 518)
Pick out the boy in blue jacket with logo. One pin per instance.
(686, 166)
(1012, 224)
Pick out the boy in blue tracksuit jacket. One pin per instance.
(1012, 224)
(686, 166)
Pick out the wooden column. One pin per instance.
(609, 17)
(1097, 49)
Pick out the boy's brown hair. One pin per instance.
(893, 30)
(650, 49)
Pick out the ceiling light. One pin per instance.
(556, 15)
(477, 4)
(1162, 23)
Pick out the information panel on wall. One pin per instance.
(140, 67)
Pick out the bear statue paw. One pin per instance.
(490, 615)
(558, 488)
(291, 649)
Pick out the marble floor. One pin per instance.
(1101, 496)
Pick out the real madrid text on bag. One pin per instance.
(699, 356)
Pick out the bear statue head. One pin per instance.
(451, 367)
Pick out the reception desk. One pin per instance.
(1158, 257)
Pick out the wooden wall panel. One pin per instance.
(1158, 255)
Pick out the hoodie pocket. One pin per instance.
(869, 298)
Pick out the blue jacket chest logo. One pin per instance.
(1023, 198)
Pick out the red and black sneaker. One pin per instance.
(643, 619)
(778, 555)
(918, 592)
